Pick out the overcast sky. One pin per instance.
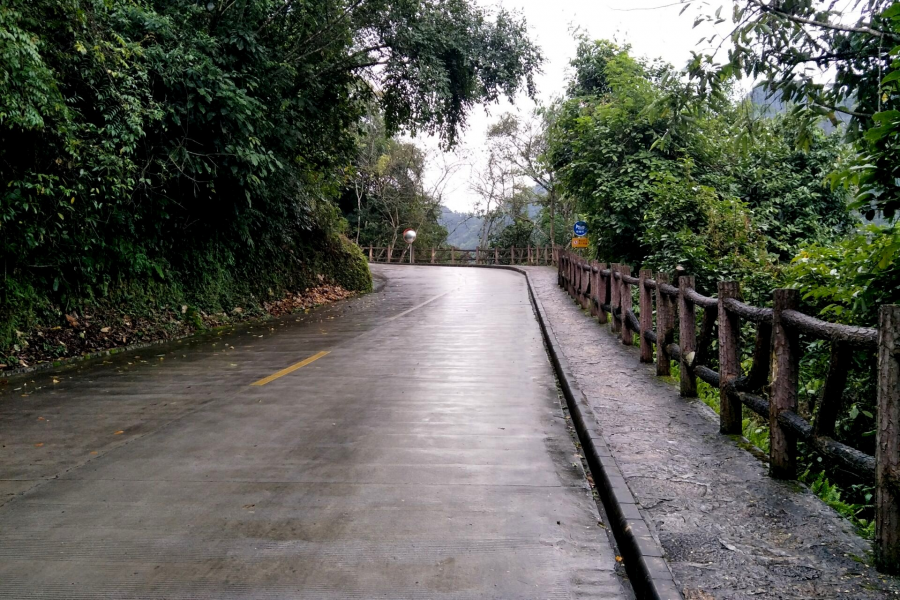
(652, 27)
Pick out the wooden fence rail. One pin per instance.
(770, 388)
(528, 255)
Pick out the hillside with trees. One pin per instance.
(677, 168)
(168, 159)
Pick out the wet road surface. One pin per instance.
(405, 444)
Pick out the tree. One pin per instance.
(203, 145)
(665, 175)
(827, 62)
(389, 190)
(522, 144)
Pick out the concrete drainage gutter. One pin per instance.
(649, 574)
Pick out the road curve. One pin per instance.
(405, 444)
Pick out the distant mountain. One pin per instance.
(462, 229)
(773, 104)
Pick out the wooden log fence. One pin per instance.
(770, 388)
(528, 255)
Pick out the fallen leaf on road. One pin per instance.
(120, 432)
(105, 330)
(93, 452)
(39, 444)
(618, 559)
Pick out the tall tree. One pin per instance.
(199, 142)
(828, 61)
(522, 143)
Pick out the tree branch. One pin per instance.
(823, 25)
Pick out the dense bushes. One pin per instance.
(198, 148)
(666, 177)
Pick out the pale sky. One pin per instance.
(652, 27)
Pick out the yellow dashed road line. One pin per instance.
(290, 369)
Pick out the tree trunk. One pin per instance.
(552, 219)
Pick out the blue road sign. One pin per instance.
(580, 228)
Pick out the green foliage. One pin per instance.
(387, 193)
(789, 45)
(831, 494)
(518, 234)
(203, 146)
(665, 175)
(848, 280)
(822, 60)
(711, 237)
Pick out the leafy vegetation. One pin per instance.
(666, 176)
(389, 193)
(673, 171)
(195, 151)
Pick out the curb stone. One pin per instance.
(647, 569)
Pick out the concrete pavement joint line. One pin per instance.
(291, 368)
(417, 307)
(644, 562)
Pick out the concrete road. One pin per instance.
(406, 444)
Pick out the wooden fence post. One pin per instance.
(390, 252)
(662, 327)
(602, 293)
(645, 303)
(730, 417)
(687, 337)
(573, 260)
(579, 281)
(833, 389)
(613, 297)
(512, 255)
(626, 303)
(887, 443)
(572, 276)
(529, 254)
(586, 284)
(371, 259)
(559, 273)
(452, 256)
(570, 258)
(783, 442)
(595, 288)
